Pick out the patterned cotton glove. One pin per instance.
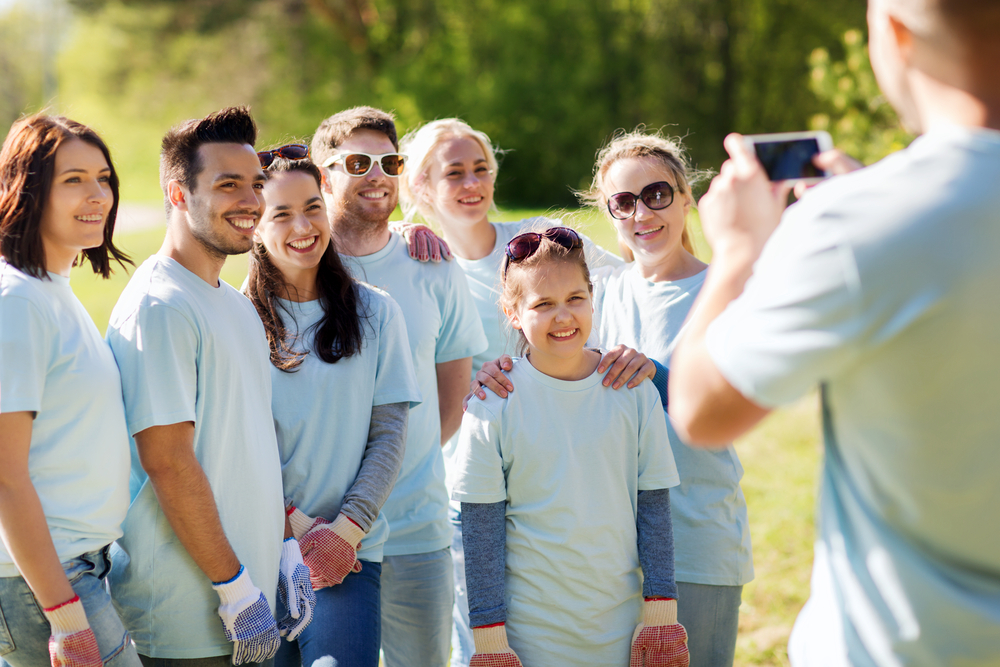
(295, 591)
(659, 641)
(330, 550)
(247, 619)
(72, 643)
(492, 649)
(301, 522)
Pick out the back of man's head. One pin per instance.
(179, 158)
(336, 129)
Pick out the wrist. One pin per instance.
(344, 526)
(659, 611)
(236, 589)
(491, 638)
(67, 618)
(299, 521)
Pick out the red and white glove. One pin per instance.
(72, 643)
(330, 550)
(300, 521)
(492, 649)
(659, 641)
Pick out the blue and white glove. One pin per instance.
(295, 591)
(247, 619)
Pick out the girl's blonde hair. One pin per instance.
(419, 146)
(513, 287)
(640, 143)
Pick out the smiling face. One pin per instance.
(367, 201)
(227, 200)
(294, 228)
(79, 202)
(654, 237)
(555, 313)
(459, 185)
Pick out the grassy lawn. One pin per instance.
(781, 459)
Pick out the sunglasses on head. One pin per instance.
(359, 164)
(655, 196)
(289, 152)
(523, 246)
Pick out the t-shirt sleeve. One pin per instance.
(657, 469)
(395, 379)
(461, 332)
(478, 460)
(25, 351)
(157, 350)
(797, 318)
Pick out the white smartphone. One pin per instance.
(787, 156)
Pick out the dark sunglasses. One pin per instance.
(289, 152)
(523, 246)
(359, 164)
(655, 196)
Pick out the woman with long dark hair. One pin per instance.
(64, 450)
(343, 383)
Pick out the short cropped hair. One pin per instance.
(27, 170)
(336, 129)
(179, 158)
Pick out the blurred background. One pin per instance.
(548, 80)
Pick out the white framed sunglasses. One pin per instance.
(359, 164)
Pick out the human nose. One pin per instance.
(300, 224)
(100, 192)
(641, 210)
(375, 173)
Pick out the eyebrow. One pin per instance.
(459, 162)
(285, 207)
(78, 170)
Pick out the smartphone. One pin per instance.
(787, 156)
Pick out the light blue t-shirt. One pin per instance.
(442, 326)
(322, 411)
(711, 530)
(881, 286)
(569, 458)
(192, 352)
(53, 362)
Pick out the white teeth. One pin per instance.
(648, 231)
(242, 223)
(471, 200)
(374, 195)
(303, 243)
(90, 218)
(564, 335)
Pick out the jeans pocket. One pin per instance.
(6, 641)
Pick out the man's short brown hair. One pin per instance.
(337, 128)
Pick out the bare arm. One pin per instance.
(23, 527)
(167, 455)
(452, 383)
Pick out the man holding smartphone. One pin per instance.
(880, 287)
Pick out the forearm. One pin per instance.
(380, 466)
(484, 540)
(452, 383)
(656, 544)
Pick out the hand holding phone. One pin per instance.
(788, 156)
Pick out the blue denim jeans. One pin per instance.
(417, 599)
(25, 632)
(462, 646)
(346, 623)
(711, 616)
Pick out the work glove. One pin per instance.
(330, 550)
(247, 619)
(492, 649)
(72, 643)
(295, 591)
(300, 521)
(659, 641)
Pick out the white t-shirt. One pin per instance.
(192, 352)
(322, 411)
(711, 530)
(881, 286)
(442, 326)
(569, 459)
(53, 362)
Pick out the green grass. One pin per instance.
(781, 459)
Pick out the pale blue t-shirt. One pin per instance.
(53, 362)
(442, 326)
(569, 458)
(322, 411)
(881, 287)
(192, 352)
(711, 530)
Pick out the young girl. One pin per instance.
(563, 485)
(343, 382)
(64, 449)
(642, 184)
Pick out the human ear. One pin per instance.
(512, 317)
(324, 182)
(177, 195)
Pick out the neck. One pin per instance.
(939, 103)
(358, 240)
(470, 241)
(679, 265)
(300, 285)
(577, 367)
(182, 247)
(60, 260)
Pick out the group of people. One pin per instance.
(287, 472)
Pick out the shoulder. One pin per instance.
(15, 284)
(377, 303)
